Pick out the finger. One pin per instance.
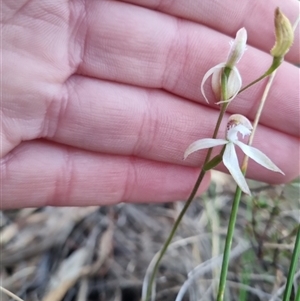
(229, 16)
(164, 52)
(117, 119)
(40, 173)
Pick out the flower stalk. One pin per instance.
(282, 28)
(237, 198)
(148, 293)
(229, 87)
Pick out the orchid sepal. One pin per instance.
(258, 156)
(231, 162)
(207, 75)
(234, 81)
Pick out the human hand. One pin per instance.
(101, 98)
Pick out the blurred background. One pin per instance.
(102, 253)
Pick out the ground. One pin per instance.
(102, 253)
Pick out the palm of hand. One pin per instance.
(95, 103)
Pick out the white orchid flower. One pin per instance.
(236, 124)
(238, 47)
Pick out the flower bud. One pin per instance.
(284, 34)
(234, 81)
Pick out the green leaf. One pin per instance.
(213, 162)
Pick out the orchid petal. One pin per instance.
(202, 144)
(207, 75)
(230, 160)
(232, 132)
(234, 85)
(238, 123)
(258, 156)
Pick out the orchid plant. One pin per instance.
(227, 84)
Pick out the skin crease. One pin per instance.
(100, 99)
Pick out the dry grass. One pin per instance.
(92, 253)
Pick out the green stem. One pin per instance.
(172, 233)
(186, 206)
(224, 83)
(292, 269)
(275, 64)
(228, 243)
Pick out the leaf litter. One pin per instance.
(102, 253)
